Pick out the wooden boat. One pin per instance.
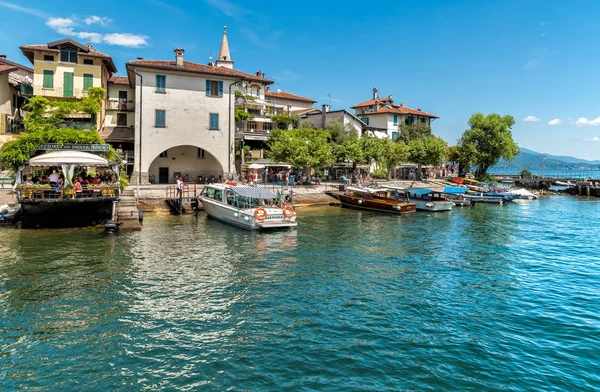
(429, 200)
(250, 208)
(374, 199)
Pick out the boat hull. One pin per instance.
(245, 218)
(64, 213)
(378, 205)
(434, 206)
(485, 199)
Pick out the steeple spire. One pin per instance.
(224, 59)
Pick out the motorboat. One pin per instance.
(456, 194)
(481, 197)
(375, 199)
(429, 200)
(524, 194)
(251, 208)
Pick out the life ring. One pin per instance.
(260, 214)
(288, 211)
(231, 183)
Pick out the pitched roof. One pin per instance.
(118, 79)
(386, 106)
(188, 66)
(307, 111)
(84, 51)
(284, 95)
(4, 61)
(7, 68)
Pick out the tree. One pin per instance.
(340, 132)
(301, 147)
(241, 115)
(350, 150)
(285, 121)
(488, 140)
(412, 132)
(431, 150)
(394, 153)
(306, 123)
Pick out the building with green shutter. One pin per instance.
(65, 69)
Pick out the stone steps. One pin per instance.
(128, 212)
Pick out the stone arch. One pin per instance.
(183, 159)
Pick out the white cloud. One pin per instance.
(66, 26)
(593, 139)
(531, 118)
(585, 121)
(30, 11)
(126, 39)
(102, 20)
(556, 121)
(61, 25)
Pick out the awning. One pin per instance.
(58, 158)
(455, 190)
(419, 191)
(253, 192)
(118, 134)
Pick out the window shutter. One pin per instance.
(88, 81)
(214, 121)
(220, 88)
(207, 88)
(48, 79)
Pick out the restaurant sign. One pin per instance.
(74, 147)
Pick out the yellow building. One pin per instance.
(65, 70)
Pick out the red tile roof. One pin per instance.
(302, 111)
(29, 49)
(188, 66)
(387, 107)
(7, 68)
(284, 95)
(117, 79)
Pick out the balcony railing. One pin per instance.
(121, 105)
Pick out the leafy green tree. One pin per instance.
(339, 131)
(350, 150)
(306, 123)
(285, 121)
(302, 148)
(409, 133)
(431, 150)
(241, 115)
(488, 140)
(394, 153)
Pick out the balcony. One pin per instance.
(252, 134)
(121, 105)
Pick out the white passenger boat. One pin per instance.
(483, 198)
(251, 208)
(429, 200)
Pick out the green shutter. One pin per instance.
(48, 79)
(68, 84)
(220, 88)
(207, 88)
(88, 81)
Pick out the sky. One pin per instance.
(537, 61)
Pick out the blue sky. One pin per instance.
(534, 60)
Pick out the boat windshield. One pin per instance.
(245, 202)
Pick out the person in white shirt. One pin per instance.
(53, 177)
(179, 187)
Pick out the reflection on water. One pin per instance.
(490, 297)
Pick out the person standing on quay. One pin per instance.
(179, 186)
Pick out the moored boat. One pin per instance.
(456, 194)
(429, 200)
(251, 208)
(483, 198)
(374, 199)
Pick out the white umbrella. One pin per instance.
(255, 166)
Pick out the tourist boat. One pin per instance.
(429, 200)
(251, 208)
(374, 199)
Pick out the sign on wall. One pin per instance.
(74, 147)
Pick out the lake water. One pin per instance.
(488, 298)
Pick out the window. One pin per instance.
(160, 118)
(48, 57)
(395, 119)
(123, 96)
(200, 153)
(88, 61)
(409, 120)
(395, 135)
(218, 194)
(161, 83)
(214, 121)
(68, 55)
(370, 107)
(48, 79)
(365, 120)
(122, 119)
(164, 154)
(423, 120)
(214, 88)
(252, 126)
(267, 127)
(88, 81)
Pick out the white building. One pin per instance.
(383, 117)
(184, 116)
(319, 118)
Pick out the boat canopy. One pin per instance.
(394, 187)
(69, 157)
(455, 190)
(419, 191)
(253, 192)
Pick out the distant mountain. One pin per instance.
(532, 160)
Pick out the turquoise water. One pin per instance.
(488, 298)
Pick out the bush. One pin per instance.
(380, 174)
(525, 173)
(488, 178)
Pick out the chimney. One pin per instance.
(419, 109)
(140, 58)
(325, 108)
(2, 56)
(267, 89)
(375, 95)
(259, 74)
(179, 56)
(89, 45)
(401, 103)
(390, 98)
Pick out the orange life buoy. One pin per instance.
(260, 214)
(288, 211)
(231, 183)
